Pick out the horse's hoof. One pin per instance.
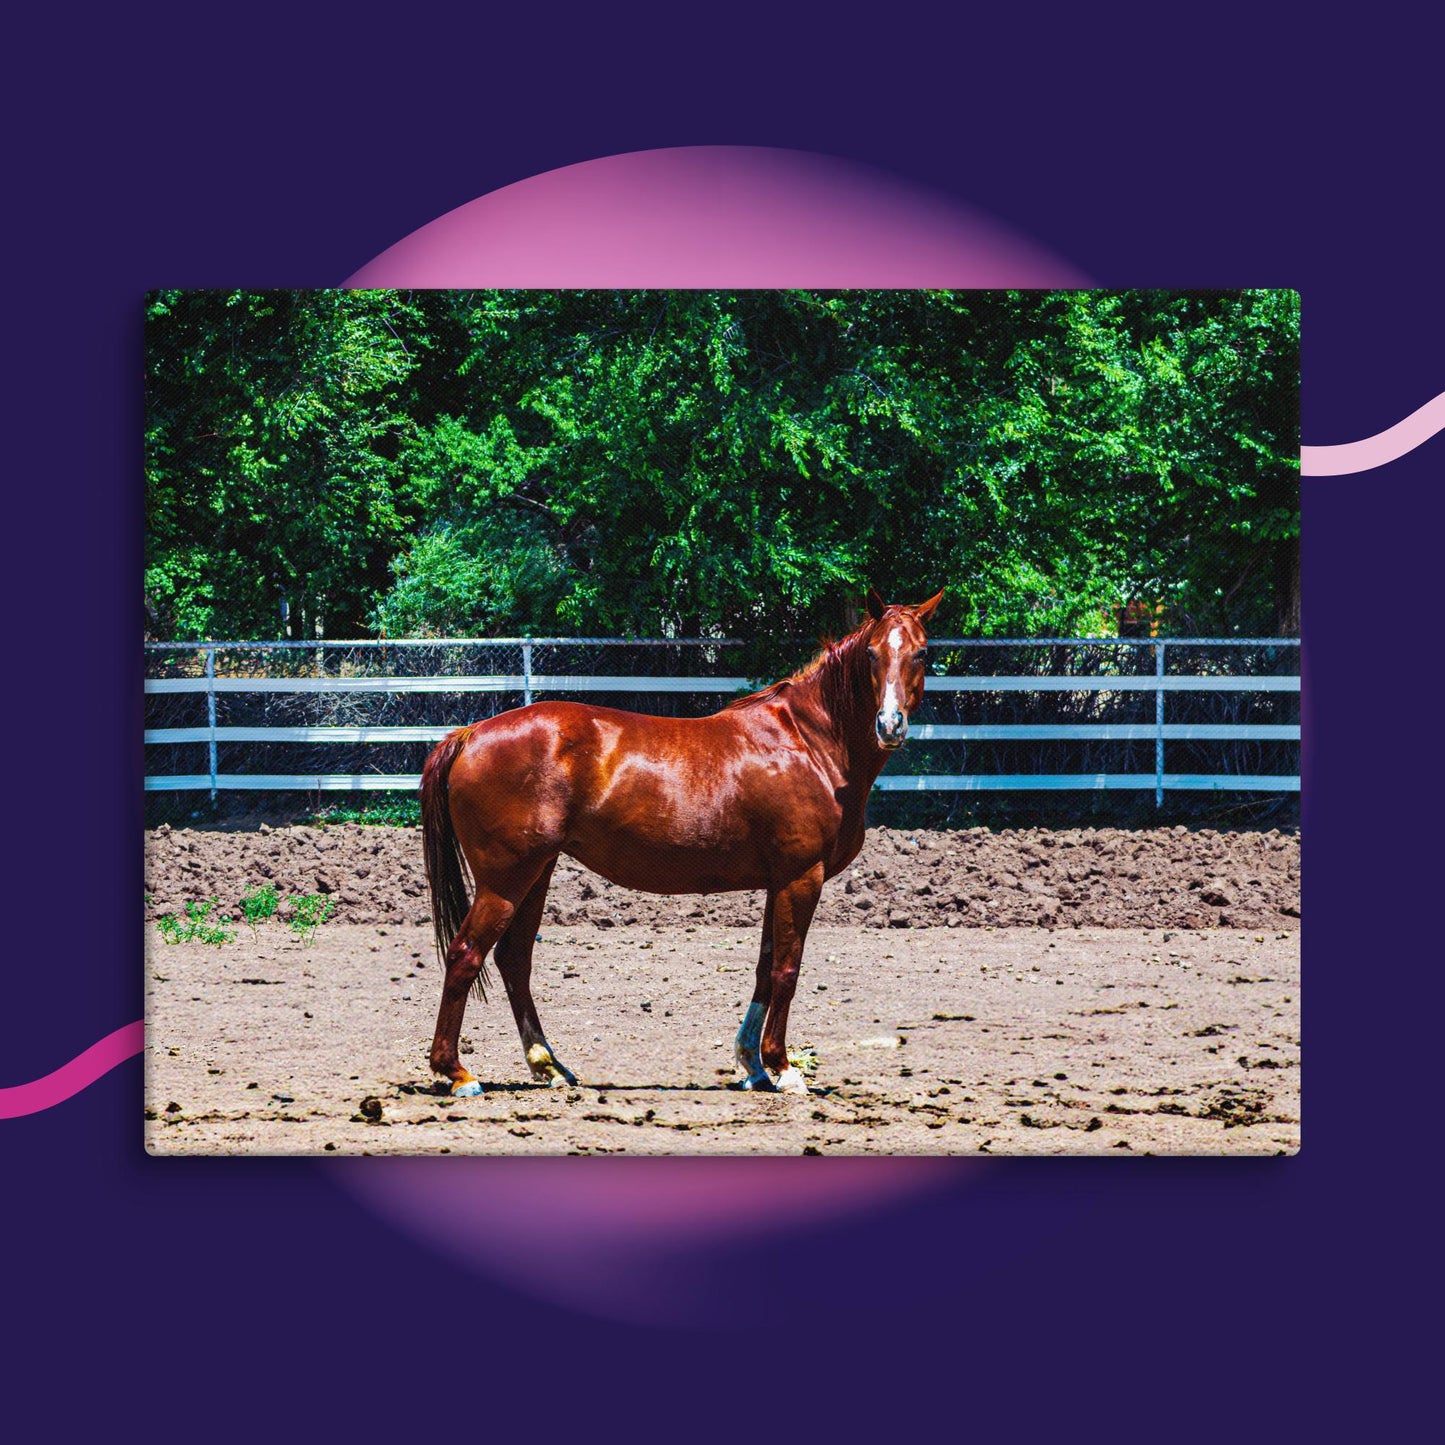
(469, 1090)
(759, 1083)
(545, 1068)
(791, 1081)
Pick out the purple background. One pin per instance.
(1165, 1298)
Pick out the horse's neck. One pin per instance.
(843, 701)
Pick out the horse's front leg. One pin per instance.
(793, 908)
(747, 1045)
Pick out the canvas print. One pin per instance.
(722, 723)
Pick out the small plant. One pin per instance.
(259, 904)
(172, 929)
(804, 1059)
(205, 929)
(402, 812)
(308, 912)
(198, 926)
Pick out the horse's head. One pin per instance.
(897, 646)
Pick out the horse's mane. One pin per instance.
(832, 667)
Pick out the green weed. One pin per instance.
(172, 929)
(400, 812)
(198, 926)
(308, 912)
(259, 904)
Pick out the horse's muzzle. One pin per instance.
(892, 728)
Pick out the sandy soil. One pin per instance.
(1020, 1040)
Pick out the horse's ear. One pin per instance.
(925, 610)
(875, 604)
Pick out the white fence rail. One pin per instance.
(528, 684)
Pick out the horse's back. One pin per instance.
(668, 805)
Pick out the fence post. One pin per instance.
(1159, 725)
(526, 674)
(211, 714)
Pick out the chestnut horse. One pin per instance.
(767, 794)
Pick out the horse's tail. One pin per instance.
(446, 874)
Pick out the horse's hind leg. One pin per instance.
(514, 963)
(486, 921)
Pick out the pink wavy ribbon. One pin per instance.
(69, 1079)
(1375, 451)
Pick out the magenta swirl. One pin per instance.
(69, 1079)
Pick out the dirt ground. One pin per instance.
(1080, 877)
(992, 1014)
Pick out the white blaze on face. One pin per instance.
(890, 692)
(892, 705)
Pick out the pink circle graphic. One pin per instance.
(715, 216)
(586, 1234)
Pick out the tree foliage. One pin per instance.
(654, 463)
(275, 422)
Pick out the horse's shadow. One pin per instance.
(440, 1089)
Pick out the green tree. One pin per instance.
(736, 463)
(272, 436)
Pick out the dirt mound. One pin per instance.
(1110, 878)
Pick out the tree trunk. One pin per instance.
(1287, 588)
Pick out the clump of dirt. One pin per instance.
(1078, 877)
